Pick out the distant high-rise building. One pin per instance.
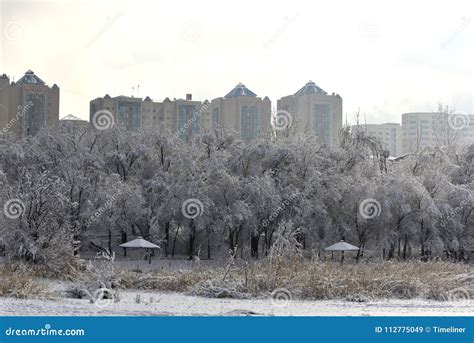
(126, 111)
(423, 129)
(389, 134)
(181, 116)
(242, 111)
(28, 105)
(313, 110)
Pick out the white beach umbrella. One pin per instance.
(139, 242)
(342, 246)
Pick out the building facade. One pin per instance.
(389, 134)
(126, 111)
(181, 116)
(423, 129)
(28, 105)
(242, 111)
(312, 110)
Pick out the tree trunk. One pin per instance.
(167, 238)
(124, 240)
(209, 246)
(254, 246)
(405, 243)
(192, 239)
(174, 241)
(110, 241)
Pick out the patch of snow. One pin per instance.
(173, 304)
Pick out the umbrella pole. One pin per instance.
(342, 257)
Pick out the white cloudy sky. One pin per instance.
(385, 58)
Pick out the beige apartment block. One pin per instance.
(389, 134)
(126, 111)
(28, 105)
(420, 130)
(312, 110)
(178, 116)
(241, 111)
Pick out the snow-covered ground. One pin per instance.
(172, 304)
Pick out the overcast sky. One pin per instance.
(385, 58)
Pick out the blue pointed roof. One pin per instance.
(30, 78)
(240, 90)
(310, 88)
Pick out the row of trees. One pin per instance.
(77, 190)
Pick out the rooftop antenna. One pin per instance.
(133, 91)
(138, 91)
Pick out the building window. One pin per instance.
(321, 121)
(129, 115)
(215, 116)
(249, 122)
(188, 121)
(34, 115)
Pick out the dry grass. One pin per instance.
(17, 282)
(305, 279)
(310, 280)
